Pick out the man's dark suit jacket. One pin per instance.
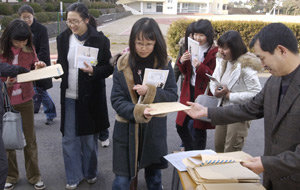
(281, 160)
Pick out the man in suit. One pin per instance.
(279, 104)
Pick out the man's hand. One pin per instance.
(88, 69)
(254, 164)
(140, 89)
(197, 111)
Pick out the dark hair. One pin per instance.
(83, 12)
(148, 29)
(204, 26)
(233, 40)
(16, 30)
(273, 35)
(25, 8)
(189, 30)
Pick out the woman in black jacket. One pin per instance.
(41, 44)
(83, 97)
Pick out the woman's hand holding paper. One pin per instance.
(39, 64)
(141, 89)
(88, 69)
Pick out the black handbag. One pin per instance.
(13, 136)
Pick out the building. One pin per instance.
(175, 6)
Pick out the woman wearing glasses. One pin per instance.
(83, 97)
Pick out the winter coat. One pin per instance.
(91, 107)
(207, 66)
(130, 121)
(41, 44)
(27, 57)
(244, 82)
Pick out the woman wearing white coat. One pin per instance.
(236, 70)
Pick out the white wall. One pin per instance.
(135, 5)
(152, 9)
(170, 7)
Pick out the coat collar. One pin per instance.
(293, 92)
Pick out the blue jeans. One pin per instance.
(80, 152)
(103, 135)
(42, 97)
(152, 177)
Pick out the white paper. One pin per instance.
(43, 73)
(176, 158)
(156, 77)
(193, 48)
(85, 54)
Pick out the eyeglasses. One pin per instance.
(74, 22)
(26, 18)
(147, 45)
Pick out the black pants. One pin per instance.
(192, 138)
(3, 162)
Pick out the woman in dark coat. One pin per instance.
(41, 44)
(83, 96)
(140, 140)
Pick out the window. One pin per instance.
(148, 5)
(170, 1)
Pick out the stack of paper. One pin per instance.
(220, 168)
(230, 186)
(214, 171)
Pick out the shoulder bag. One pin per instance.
(207, 101)
(13, 136)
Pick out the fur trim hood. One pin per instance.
(246, 60)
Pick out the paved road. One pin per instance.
(49, 137)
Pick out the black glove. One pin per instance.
(22, 70)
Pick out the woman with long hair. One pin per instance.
(16, 49)
(140, 140)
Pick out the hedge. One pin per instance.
(247, 30)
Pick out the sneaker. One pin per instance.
(9, 186)
(72, 186)
(49, 122)
(105, 143)
(92, 181)
(39, 185)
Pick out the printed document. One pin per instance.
(193, 48)
(85, 54)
